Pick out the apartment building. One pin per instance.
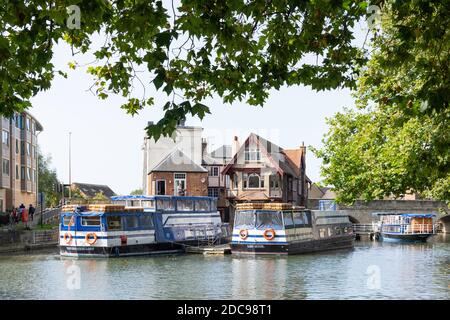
(18, 177)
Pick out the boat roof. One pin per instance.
(405, 214)
(142, 197)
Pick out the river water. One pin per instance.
(372, 270)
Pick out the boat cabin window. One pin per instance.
(165, 204)
(185, 205)
(132, 222)
(90, 221)
(66, 220)
(244, 219)
(202, 205)
(269, 219)
(114, 223)
(298, 219)
(146, 222)
(288, 220)
(213, 205)
(148, 203)
(307, 219)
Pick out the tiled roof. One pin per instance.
(90, 190)
(178, 161)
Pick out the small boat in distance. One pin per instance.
(408, 227)
(280, 228)
(140, 225)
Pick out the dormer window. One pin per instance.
(252, 154)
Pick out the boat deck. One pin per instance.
(221, 249)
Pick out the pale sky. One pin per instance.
(106, 142)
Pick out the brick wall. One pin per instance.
(194, 184)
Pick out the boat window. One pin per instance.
(244, 219)
(298, 219)
(213, 205)
(322, 233)
(288, 220)
(148, 203)
(185, 205)
(90, 221)
(132, 222)
(114, 223)
(66, 220)
(269, 219)
(307, 218)
(165, 204)
(202, 205)
(146, 222)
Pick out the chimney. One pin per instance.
(235, 146)
(204, 145)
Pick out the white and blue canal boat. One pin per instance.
(140, 225)
(406, 227)
(269, 230)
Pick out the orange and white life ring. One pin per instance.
(269, 234)
(243, 234)
(88, 239)
(67, 238)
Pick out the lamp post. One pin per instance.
(70, 165)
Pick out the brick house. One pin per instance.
(173, 165)
(261, 171)
(177, 174)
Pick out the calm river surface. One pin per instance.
(373, 270)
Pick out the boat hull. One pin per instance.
(295, 247)
(389, 237)
(119, 251)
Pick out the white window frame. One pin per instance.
(5, 166)
(212, 173)
(5, 135)
(252, 154)
(175, 180)
(248, 180)
(214, 194)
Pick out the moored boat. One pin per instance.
(406, 227)
(284, 229)
(140, 225)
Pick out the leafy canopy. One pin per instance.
(48, 182)
(399, 138)
(237, 49)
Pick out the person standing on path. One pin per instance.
(31, 211)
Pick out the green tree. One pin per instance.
(48, 182)
(99, 196)
(398, 139)
(137, 192)
(236, 49)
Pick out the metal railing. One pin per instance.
(410, 229)
(365, 228)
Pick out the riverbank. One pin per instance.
(21, 240)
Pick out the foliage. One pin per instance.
(48, 181)
(237, 49)
(137, 192)
(100, 196)
(399, 139)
